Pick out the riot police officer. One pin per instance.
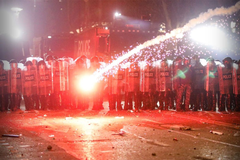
(56, 86)
(44, 81)
(98, 90)
(198, 85)
(164, 85)
(35, 91)
(50, 66)
(238, 89)
(27, 79)
(4, 84)
(148, 85)
(212, 84)
(184, 76)
(116, 88)
(19, 82)
(226, 86)
(133, 87)
(63, 82)
(13, 89)
(80, 98)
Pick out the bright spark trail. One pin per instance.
(175, 34)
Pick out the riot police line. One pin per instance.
(181, 84)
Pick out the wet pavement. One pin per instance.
(76, 134)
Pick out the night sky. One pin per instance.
(49, 17)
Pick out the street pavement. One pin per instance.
(104, 134)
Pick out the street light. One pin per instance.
(117, 14)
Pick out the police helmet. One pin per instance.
(196, 57)
(28, 63)
(94, 59)
(210, 59)
(1, 63)
(227, 60)
(22, 61)
(12, 61)
(49, 57)
(42, 62)
(186, 60)
(83, 57)
(178, 58)
(79, 60)
(100, 59)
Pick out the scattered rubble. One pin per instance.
(11, 135)
(237, 134)
(216, 132)
(49, 147)
(68, 118)
(185, 128)
(122, 117)
(154, 154)
(121, 132)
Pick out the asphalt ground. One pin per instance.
(104, 134)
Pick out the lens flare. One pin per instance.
(87, 83)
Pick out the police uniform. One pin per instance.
(198, 85)
(56, 86)
(19, 84)
(64, 83)
(148, 86)
(226, 86)
(164, 85)
(237, 96)
(98, 90)
(50, 66)
(133, 87)
(116, 88)
(27, 78)
(184, 76)
(212, 85)
(13, 89)
(44, 83)
(35, 89)
(80, 98)
(4, 84)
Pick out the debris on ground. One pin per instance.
(119, 117)
(185, 128)
(51, 136)
(155, 142)
(49, 147)
(154, 154)
(24, 146)
(11, 135)
(175, 139)
(198, 134)
(68, 118)
(237, 134)
(216, 132)
(121, 132)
